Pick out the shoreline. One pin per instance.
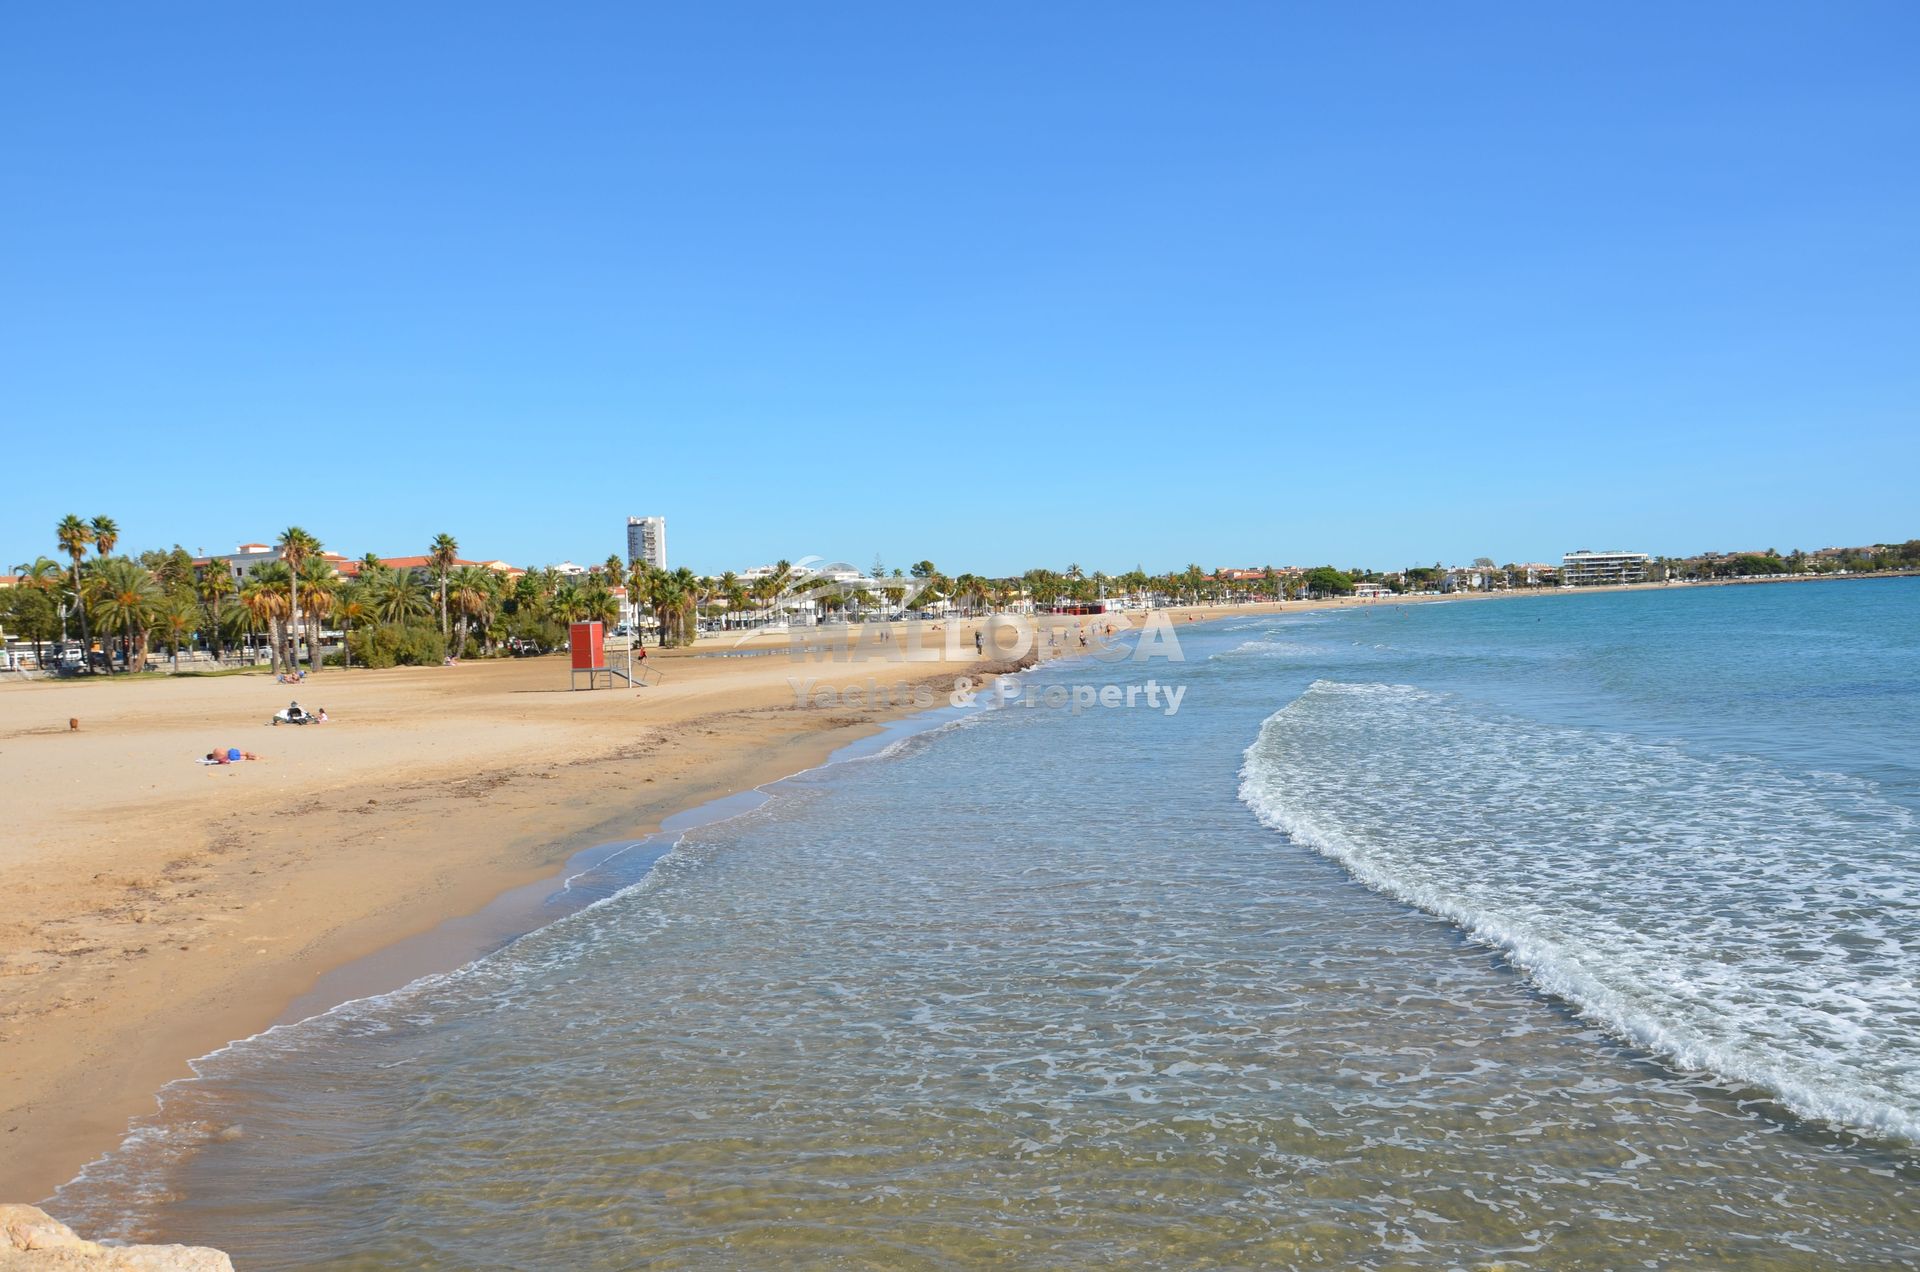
(460, 939)
(163, 927)
(77, 1078)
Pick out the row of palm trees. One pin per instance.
(165, 599)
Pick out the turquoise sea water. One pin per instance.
(1568, 931)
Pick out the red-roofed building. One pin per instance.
(248, 557)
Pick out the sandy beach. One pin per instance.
(160, 907)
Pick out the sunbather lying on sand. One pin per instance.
(232, 755)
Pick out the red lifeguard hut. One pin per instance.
(587, 642)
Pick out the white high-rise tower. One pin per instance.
(647, 541)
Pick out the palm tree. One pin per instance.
(105, 535)
(443, 552)
(640, 594)
(124, 595)
(214, 587)
(569, 606)
(472, 597)
(667, 598)
(596, 601)
(316, 586)
(296, 546)
(351, 605)
(42, 575)
(268, 597)
(687, 604)
(396, 596)
(176, 619)
(74, 535)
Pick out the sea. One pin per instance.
(1560, 931)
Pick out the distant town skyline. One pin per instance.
(1244, 566)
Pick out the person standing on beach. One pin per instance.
(979, 645)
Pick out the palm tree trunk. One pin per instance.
(86, 637)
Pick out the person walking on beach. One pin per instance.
(979, 645)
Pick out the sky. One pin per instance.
(997, 285)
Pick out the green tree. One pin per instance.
(353, 608)
(74, 537)
(32, 612)
(123, 594)
(267, 597)
(105, 535)
(175, 620)
(396, 596)
(1327, 581)
(296, 546)
(214, 587)
(472, 598)
(318, 588)
(443, 552)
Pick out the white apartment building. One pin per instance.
(1588, 569)
(647, 541)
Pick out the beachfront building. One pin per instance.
(811, 588)
(647, 541)
(1539, 573)
(1467, 578)
(1591, 569)
(1371, 591)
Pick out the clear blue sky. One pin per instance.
(1001, 285)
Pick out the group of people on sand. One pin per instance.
(234, 755)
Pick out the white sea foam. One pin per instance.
(1722, 912)
(1269, 647)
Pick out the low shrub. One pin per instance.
(398, 645)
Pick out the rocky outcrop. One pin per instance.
(32, 1239)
